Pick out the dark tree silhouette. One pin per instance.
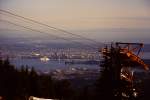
(104, 85)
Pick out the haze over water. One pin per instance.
(101, 20)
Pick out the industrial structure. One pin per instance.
(123, 58)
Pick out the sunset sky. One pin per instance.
(102, 20)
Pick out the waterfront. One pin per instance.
(57, 64)
(49, 65)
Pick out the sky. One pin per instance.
(101, 20)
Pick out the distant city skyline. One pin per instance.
(101, 20)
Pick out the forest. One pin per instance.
(20, 84)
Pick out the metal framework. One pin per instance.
(124, 57)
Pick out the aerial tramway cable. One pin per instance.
(50, 27)
(58, 37)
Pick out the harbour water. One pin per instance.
(49, 65)
(57, 64)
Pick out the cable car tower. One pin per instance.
(124, 57)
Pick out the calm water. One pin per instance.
(50, 65)
(53, 64)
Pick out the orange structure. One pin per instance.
(128, 53)
(123, 57)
